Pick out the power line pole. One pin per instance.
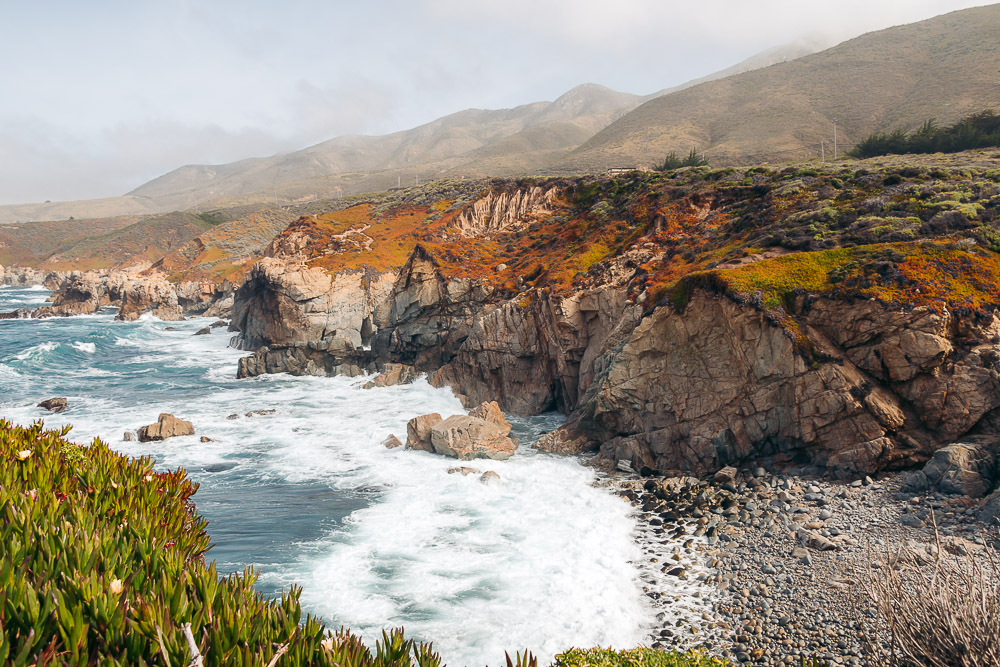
(835, 139)
(822, 151)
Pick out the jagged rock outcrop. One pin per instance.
(330, 356)
(26, 276)
(149, 294)
(418, 432)
(504, 211)
(82, 294)
(285, 301)
(466, 438)
(85, 293)
(54, 404)
(693, 375)
(392, 375)
(720, 383)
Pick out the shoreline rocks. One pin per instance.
(166, 426)
(54, 404)
(778, 556)
(481, 434)
(132, 291)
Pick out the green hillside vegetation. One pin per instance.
(102, 562)
(944, 68)
(979, 130)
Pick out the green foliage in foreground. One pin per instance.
(102, 562)
(980, 130)
(638, 657)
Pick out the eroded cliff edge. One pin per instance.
(682, 322)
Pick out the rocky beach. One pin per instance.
(778, 560)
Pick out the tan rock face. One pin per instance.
(149, 294)
(504, 211)
(167, 426)
(283, 301)
(418, 432)
(719, 383)
(134, 293)
(490, 411)
(392, 375)
(467, 438)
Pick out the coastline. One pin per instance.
(779, 576)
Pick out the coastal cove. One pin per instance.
(308, 494)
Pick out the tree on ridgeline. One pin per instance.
(981, 130)
(672, 161)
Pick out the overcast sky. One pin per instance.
(98, 97)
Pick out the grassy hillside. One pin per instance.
(29, 244)
(441, 145)
(943, 68)
(140, 243)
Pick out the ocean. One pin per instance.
(308, 495)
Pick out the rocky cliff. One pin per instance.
(131, 291)
(679, 322)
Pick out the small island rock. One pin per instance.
(167, 426)
(54, 404)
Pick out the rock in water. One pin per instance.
(490, 411)
(128, 436)
(468, 438)
(391, 375)
(418, 432)
(54, 404)
(392, 442)
(204, 331)
(489, 477)
(167, 426)
(463, 471)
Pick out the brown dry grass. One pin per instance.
(942, 613)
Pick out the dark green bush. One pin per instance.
(979, 130)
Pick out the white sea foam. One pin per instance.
(89, 348)
(36, 350)
(544, 560)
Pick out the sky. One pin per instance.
(99, 97)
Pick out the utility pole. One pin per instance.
(822, 151)
(835, 139)
(399, 181)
